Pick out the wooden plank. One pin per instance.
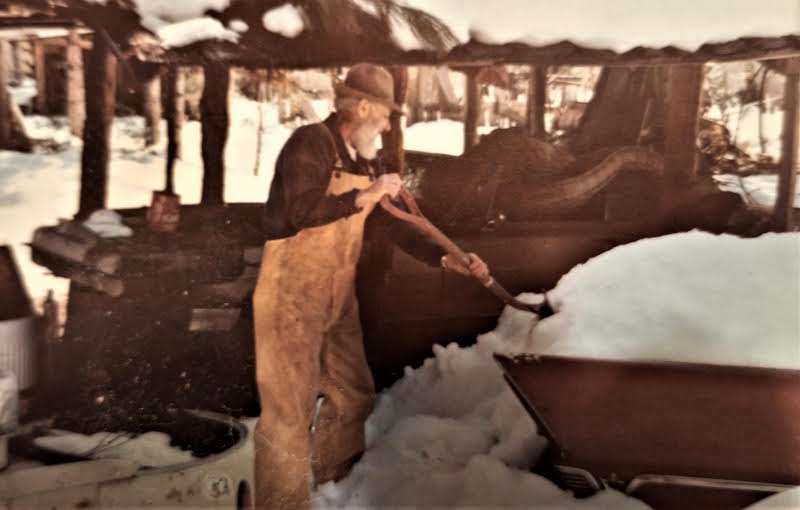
(473, 104)
(76, 93)
(537, 98)
(214, 319)
(73, 249)
(214, 113)
(790, 161)
(100, 101)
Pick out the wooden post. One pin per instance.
(537, 98)
(473, 104)
(174, 113)
(790, 160)
(682, 118)
(393, 140)
(40, 71)
(100, 96)
(214, 116)
(16, 61)
(5, 99)
(76, 100)
(151, 106)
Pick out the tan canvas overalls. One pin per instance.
(308, 342)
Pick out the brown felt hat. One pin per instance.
(371, 82)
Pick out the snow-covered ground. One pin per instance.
(37, 189)
(685, 297)
(759, 190)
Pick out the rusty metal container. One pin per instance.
(676, 435)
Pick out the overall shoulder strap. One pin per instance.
(332, 141)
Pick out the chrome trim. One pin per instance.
(590, 479)
(704, 483)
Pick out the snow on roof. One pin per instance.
(193, 30)
(618, 25)
(285, 20)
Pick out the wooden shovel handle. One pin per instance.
(418, 220)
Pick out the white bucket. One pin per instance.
(18, 349)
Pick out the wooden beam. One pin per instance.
(214, 115)
(76, 94)
(537, 98)
(790, 160)
(100, 102)
(393, 140)
(174, 113)
(682, 119)
(40, 72)
(473, 105)
(151, 106)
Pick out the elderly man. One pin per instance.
(307, 330)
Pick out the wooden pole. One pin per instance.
(174, 112)
(16, 61)
(76, 100)
(151, 106)
(214, 116)
(682, 119)
(40, 71)
(537, 98)
(393, 140)
(473, 104)
(100, 101)
(5, 99)
(790, 160)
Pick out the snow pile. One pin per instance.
(690, 297)
(151, 449)
(286, 20)
(761, 190)
(786, 500)
(431, 443)
(619, 25)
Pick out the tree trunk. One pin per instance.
(214, 114)
(40, 71)
(393, 140)
(537, 97)
(76, 101)
(151, 99)
(790, 159)
(5, 98)
(681, 120)
(100, 97)
(174, 113)
(473, 103)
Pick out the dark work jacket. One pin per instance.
(298, 200)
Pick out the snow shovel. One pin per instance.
(415, 217)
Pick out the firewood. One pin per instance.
(74, 249)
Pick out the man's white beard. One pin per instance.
(365, 141)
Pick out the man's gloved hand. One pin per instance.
(477, 267)
(387, 184)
